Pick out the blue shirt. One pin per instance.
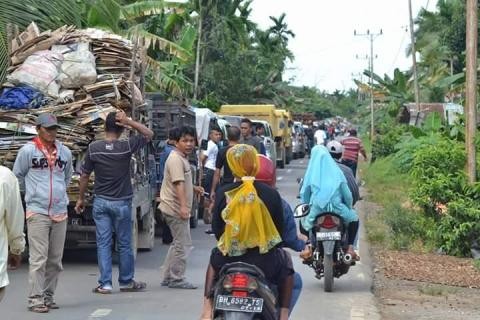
(289, 235)
(162, 159)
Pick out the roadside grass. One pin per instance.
(436, 290)
(398, 225)
(476, 264)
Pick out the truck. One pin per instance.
(277, 118)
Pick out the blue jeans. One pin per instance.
(114, 216)
(297, 288)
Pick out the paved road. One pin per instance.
(351, 298)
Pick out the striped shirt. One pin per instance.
(351, 147)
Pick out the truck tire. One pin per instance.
(146, 238)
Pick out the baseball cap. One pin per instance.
(47, 120)
(334, 147)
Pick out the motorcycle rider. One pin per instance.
(291, 239)
(335, 149)
(325, 189)
(253, 233)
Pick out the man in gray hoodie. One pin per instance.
(44, 169)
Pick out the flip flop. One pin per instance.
(41, 308)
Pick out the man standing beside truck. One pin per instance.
(248, 137)
(176, 198)
(44, 170)
(113, 193)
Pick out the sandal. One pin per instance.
(134, 286)
(101, 290)
(41, 308)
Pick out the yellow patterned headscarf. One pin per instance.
(248, 223)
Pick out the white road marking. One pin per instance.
(301, 161)
(357, 313)
(289, 170)
(279, 178)
(361, 276)
(100, 313)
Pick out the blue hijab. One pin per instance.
(322, 178)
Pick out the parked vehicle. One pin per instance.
(268, 139)
(329, 245)
(243, 293)
(277, 118)
(298, 141)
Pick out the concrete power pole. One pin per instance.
(372, 37)
(197, 56)
(414, 60)
(471, 87)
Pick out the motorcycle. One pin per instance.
(243, 293)
(329, 243)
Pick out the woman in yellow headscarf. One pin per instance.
(247, 220)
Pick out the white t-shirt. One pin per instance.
(211, 154)
(320, 136)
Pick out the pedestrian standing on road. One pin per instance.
(112, 205)
(44, 170)
(208, 160)
(352, 146)
(169, 145)
(176, 198)
(248, 137)
(11, 226)
(320, 135)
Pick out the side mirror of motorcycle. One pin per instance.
(301, 211)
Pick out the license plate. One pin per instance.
(243, 304)
(325, 236)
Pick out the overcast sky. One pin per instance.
(324, 45)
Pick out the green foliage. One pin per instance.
(385, 144)
(460, 226)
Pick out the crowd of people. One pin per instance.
(249, 219)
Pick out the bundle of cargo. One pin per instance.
(78, 75)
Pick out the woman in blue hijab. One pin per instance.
(325, 189)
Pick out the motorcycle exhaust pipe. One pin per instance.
(347, 258)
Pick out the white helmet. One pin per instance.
(335, 147)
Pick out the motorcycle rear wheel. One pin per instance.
(328, 273)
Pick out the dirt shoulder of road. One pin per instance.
(411, 285)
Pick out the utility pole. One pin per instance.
(197, 56)
(372, 37)
(471, 87)
(414, 60)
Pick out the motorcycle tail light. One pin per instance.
(239, 284)
(328, 221)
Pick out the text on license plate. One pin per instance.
(321, 236)
(244, 304)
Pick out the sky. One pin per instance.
(325, 47)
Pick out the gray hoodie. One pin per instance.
(45, 188)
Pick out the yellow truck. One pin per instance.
(277, 118)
